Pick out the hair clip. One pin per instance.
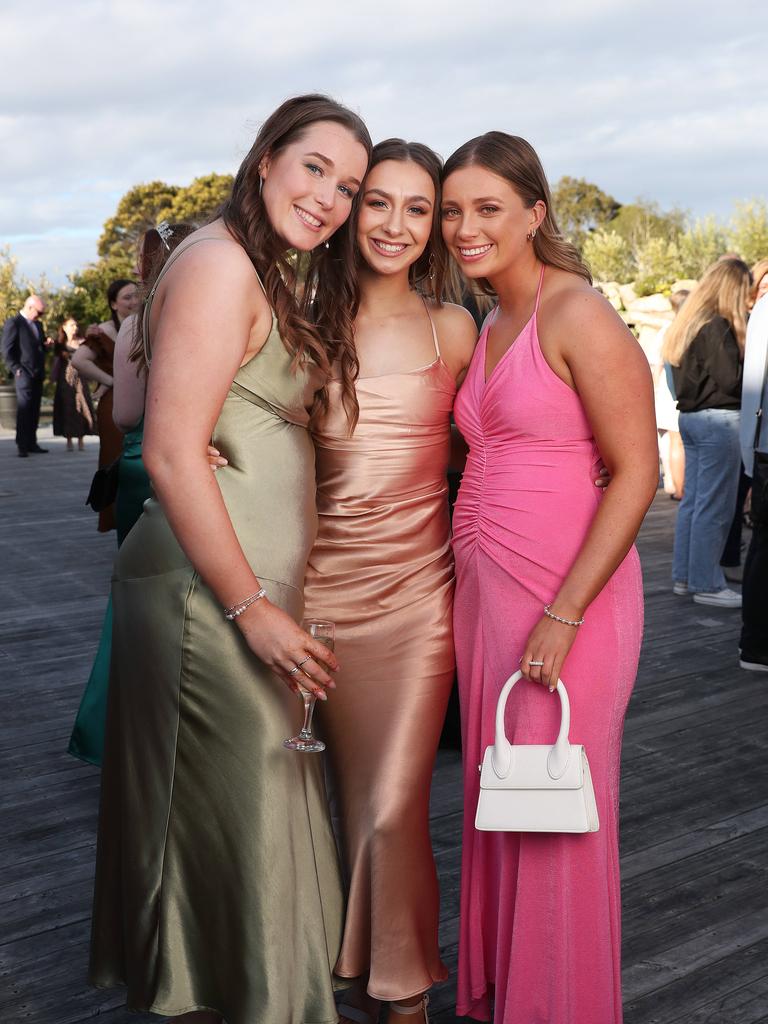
(165, 231)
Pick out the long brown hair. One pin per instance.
(428, 273)
(723, 291)
(320, 325)
(515, 160)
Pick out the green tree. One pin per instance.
(581, 207)
(641, 220)
(658, 265)
(609, 256)
(139, 209)
(748, 230)
(699, 246)
(199, 200)
(12, 291)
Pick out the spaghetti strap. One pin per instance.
(168, 263)
(432, 325)
(538, 293)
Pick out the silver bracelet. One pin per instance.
(558, 618)
(238, 609)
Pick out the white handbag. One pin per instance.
(531, 788)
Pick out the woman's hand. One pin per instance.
(215, 459)
(282, 645)
(603, 477)
(549, 642)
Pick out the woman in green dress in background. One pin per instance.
(133, 489)
(217, 892)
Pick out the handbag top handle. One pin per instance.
(557, 760)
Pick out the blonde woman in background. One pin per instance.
(705, 346)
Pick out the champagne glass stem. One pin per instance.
(309, 706)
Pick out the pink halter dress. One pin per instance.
(540, 933)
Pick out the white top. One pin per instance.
(754, 369)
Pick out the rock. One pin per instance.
(610, 290)
(628, 295)
(651, 304)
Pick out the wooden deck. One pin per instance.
(694, 795)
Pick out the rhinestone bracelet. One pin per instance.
(557, 618)
(238, 609)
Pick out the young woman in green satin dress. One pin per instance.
(217, 887)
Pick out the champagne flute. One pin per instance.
(324, 633)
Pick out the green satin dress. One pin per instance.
(133, 489)
(217, 879)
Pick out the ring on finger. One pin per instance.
(532, 662)
(294, 670)
(303, 661)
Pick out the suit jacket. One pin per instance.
(23, 346)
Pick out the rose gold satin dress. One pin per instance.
(382, 570)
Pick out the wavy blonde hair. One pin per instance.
(723, 291)
(515, 160)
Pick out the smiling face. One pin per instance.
(308, 187)
(395, 219)
(485, 223)
(70, 328)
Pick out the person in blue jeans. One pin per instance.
(705, 346)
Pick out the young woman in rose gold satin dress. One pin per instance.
(556, 383)
(382, 570)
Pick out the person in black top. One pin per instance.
(23, 351)
(705, 346)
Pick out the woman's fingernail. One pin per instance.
(551, 689)
(322, 695)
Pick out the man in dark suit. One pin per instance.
(23, 351)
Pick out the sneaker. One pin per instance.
(753, 666)
(724, 598)
(681, 589)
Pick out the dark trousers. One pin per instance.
(754, 595)
(29, 392)
(732, 550)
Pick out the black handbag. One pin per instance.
(759, 508)
(104, 487)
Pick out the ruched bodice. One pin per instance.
(382, 570)
(531, 447)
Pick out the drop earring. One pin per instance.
(531, 235)
(261, 185)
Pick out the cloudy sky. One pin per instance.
(666, 101)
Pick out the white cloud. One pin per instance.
(643, 98)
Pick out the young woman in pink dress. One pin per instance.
(382, 571)
(556, 383)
